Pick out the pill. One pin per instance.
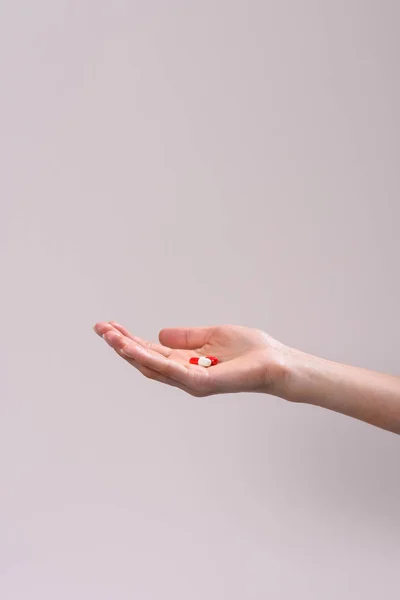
(203, 361)
(213, 359)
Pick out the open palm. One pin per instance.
(249, 359)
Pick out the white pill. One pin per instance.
(204, 361)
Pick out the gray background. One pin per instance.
(192, 163)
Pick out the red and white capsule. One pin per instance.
(203, 361)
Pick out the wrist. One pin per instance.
(296, 373)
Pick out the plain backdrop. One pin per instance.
(192, 163)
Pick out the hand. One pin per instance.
(249, 359)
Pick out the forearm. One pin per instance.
(366, 395)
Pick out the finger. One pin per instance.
(150, 374)
(188, 338)
(101, 328)
(115, 342)
(155, 361)
(146, 344)
(193, 380)
(118, 341)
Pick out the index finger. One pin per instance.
(164, 350)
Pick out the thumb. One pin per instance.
(186, 338)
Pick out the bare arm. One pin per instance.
(366, 395)
(250, 360)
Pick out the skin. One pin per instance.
(252, 361)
